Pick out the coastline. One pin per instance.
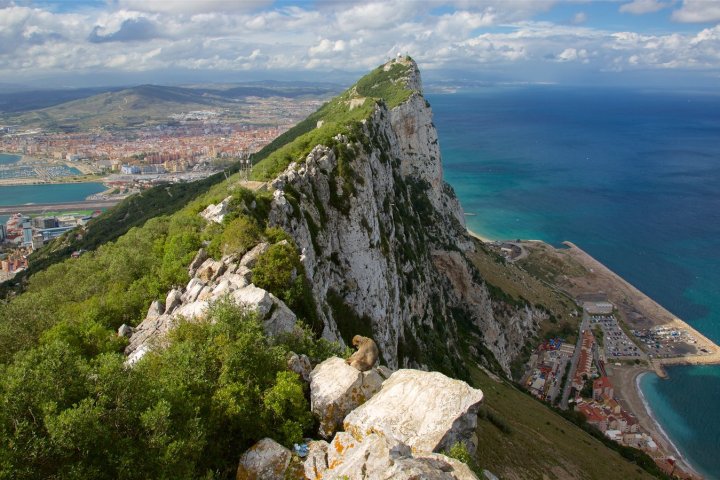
(627, 297)
(478, 236)
(662, 435)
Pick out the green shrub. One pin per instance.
(184, 411)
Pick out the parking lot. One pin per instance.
(616, 344)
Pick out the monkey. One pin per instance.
(367, 353)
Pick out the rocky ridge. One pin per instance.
(397, 429)
(383, 241)
(211, 281)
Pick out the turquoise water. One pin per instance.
(53, 193)
(630, 176)
(8, 158)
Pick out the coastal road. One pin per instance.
(55, 207)
(585, 324)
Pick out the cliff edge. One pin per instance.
(382, 234)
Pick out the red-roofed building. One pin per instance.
(602, 386)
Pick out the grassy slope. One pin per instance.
(338, 116)
(541, 444)
(519, 282)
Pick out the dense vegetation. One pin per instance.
(70, 409)
(187, 411)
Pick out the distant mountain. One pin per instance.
(16, 100)
(73, 110)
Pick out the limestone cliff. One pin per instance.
(383, 236)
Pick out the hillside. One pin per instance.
(85, 109)
(356, 232)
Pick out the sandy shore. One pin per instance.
(626, 380)
(479, 237)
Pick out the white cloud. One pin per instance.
(194, 6)
(698, 11)
(641, 7)
(343, 36)
(572, 54)
(578, 18)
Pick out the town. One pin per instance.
(186, 142)
(577, 376)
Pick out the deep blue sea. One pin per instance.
(632, 177)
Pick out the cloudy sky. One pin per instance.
(81, 42)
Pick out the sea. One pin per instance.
(632, 176)
(47, 193)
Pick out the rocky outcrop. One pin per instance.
(426, 411)
(383, 240)
(378, 459)
(213, 280)
(336, 389)
(266, 460)
(396, 433)
(216, 213)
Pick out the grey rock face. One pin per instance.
(427, 411)
(395, 433)
(301, 365)
(216, 213)
(266, 460)
(336, 388)
(388, 240)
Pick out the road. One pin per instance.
(56, 207)
(584, 325)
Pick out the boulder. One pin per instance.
(236, 280)
(216, 213)
(125, 330)
(193, 289)
(301, 365)
(316, 461)
(266, 460)
(432, 466)
(282, 319)
(200, 257)
(377, 457)
(255, 299)
(156, 309)
(174, 298)
(210, 270)
(336, 389)
(425, 410)
(192, 310)
(250, 258)
(273, 312)
(244, 272)
(145, 334)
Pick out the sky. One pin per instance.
(54, 43)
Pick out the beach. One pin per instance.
(479, 237)
(626, 380)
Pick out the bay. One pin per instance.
(630, 176)
(9, 158)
